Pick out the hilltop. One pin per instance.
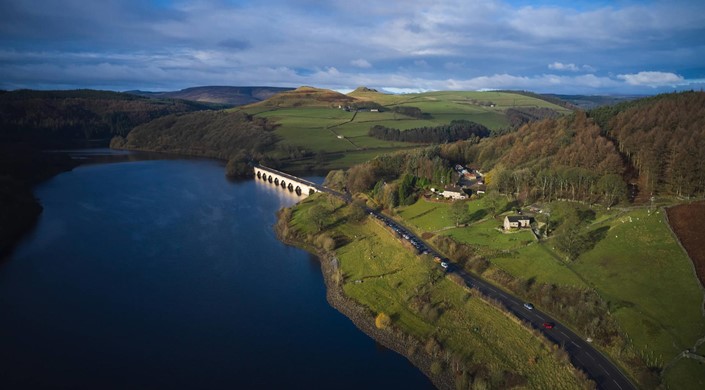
(305, 97)
(225, 95)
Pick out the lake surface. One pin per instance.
(163, 274)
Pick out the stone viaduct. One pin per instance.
(286, 181)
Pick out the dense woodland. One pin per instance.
(657, 143)
(457, 130)
(664, 138)
(523, 115)
(233, 136)
(68, 118)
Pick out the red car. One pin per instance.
(548, 325)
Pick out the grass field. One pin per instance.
(637, 267)
(648, 280)
(321, 127)
(383, 275)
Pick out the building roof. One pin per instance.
(517, 218)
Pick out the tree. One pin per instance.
(493, 201)
(335, 180)
(612, 188)
(357, 210)
(382, 321)
(318, 215)
(459, 212)
(570, 236)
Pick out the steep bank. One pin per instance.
(22, 167)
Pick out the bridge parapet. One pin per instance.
(286, 181)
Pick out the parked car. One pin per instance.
(529, 306)
(548, 325)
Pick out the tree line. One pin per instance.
(456, 130)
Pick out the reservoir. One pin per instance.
(163, 274)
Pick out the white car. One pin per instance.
(529, 306)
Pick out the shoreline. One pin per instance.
(391, 338)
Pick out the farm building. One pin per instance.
(516, 222)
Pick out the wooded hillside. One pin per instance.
(61, 118)
(664, 137)
(218, 134)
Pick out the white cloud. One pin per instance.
(571, 67)
(652, 79)
(562, 66)
(361, 63)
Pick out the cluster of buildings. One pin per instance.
(470, 181)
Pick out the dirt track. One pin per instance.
(686, 220)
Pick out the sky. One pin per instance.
(567, 47)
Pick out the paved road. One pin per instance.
(582, 354)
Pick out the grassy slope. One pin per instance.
(315, 124)
(392, 275)
(638, 268)
(648, 279)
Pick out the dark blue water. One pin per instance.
(162, 274)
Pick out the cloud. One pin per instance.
(562, 66)
(409, 45)
(571, 67)
(652, 79)
(361, 63)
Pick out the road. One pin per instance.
(582, 354)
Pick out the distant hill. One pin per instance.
(588, 102)
(306, 97)
(225, 95)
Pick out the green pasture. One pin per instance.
(649, 282)
(637, 267)
(317, 128)
(382, 273)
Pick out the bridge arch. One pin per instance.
(286, 181)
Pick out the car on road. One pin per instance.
(548, 325)
(444, 265)
(529, 306)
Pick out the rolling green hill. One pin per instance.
(324, 121)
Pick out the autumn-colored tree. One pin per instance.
(382, 321)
